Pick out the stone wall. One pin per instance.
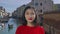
(52, 23)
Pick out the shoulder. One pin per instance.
(42, 29)
(20, 27)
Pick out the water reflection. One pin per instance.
(2, 26)
(10, 26)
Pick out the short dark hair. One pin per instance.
(23, 16)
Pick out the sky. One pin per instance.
(56, 1)
(11, 5)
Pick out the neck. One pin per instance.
(30, 24)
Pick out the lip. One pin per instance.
(30, 18)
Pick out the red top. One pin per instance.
(30, 30)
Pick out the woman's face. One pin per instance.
(30, 15)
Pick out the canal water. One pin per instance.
(14, 22)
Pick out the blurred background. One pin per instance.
(48, 15)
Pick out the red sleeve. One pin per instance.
(42, 30)
(18, 30)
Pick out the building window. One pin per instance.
(32, 0)
(36, 4)
(41, 11)
(41, 4)
(45, 1)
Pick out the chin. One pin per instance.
(30, 21)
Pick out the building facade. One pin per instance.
(19, 11)
(3, 13)
(41, 6)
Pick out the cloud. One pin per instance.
(56, 1)
(11, 5)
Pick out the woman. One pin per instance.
(30, 25)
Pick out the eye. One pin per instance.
(27, 13)
(32, 13)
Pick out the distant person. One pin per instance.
(30, 25)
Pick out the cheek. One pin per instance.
(26, 16)
(33, 17)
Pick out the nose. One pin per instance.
(30, 15)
